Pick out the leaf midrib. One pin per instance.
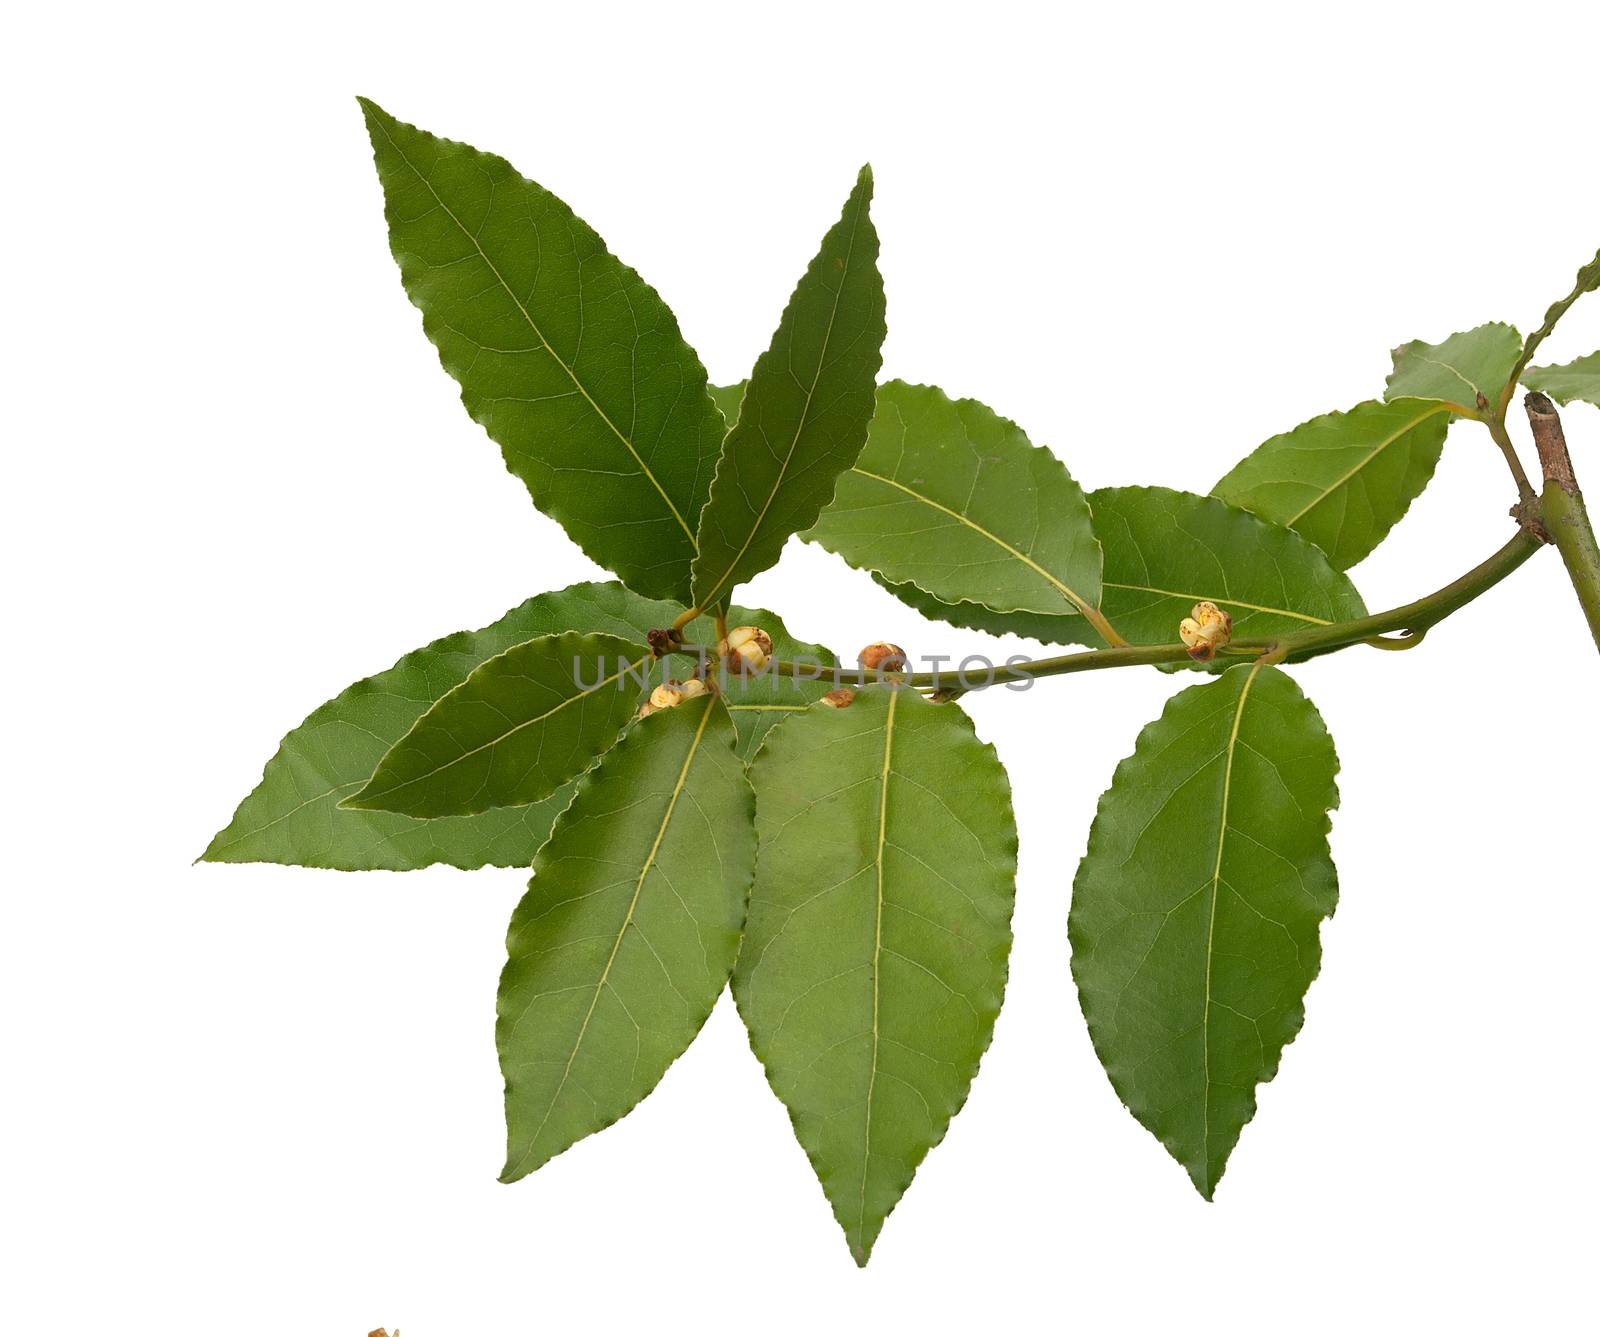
(1211, 928)
(1371, 455)
(805, 414)
(501, 737)
(1066, 591)
(539, 334)
(877, 954)
(1219, 598)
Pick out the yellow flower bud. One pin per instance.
(666, 696)
(1205, 631)
(882, 657)
(672, 693)
(745, 650)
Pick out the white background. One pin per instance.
(260, 1100)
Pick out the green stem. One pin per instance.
(1568, 522)
(1413, 619)
(1588, 278)
(1496, 423)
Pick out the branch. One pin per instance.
(1413, 619)
(1588, 279)
(1565, 517)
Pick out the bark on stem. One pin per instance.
(1566, 519)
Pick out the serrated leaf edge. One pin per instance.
(1150, 733)
(1009, 853)
(507, 1174)
(550, 506)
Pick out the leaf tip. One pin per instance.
(358, 802)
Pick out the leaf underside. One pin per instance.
(293, 815)
(1165, 551)
(1343, 480)
(1195, 912)
(566, 357)
(804, 412)
(628, 931)
(951, 497)
(1578, 379)
(874, 957)
(1466, 365)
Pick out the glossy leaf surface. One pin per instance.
(293, 815)
(1164, 552)
(1466, 365)
(566, 357)
(1196, 911)
(875, 952)
(804, 413)
(519, 727)
(628, 931)
(951, 497)
(1578, 379)
(1343, 479)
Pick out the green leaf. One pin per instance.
(951, 497)
(1578, 379)
(565, 356)
(1056, 629)
(1344, 479)
(1457, 371)
(519, 727)
(627, 933)
(1165, 551)
(804, 414)
(1196, 910)
(875, 953)
(293, 816)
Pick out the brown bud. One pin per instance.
(663, 640)
(839, 698)
(882, 657)
(745, 650)
(1483, 401)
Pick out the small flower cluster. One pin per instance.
(673, 693)
(1205, 631)
(745, 650)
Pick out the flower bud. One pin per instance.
(674, 693)
(839, 698)
(666, 696)
(745, 650)
(882, 657)
(663, 640)
(1205, 631)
